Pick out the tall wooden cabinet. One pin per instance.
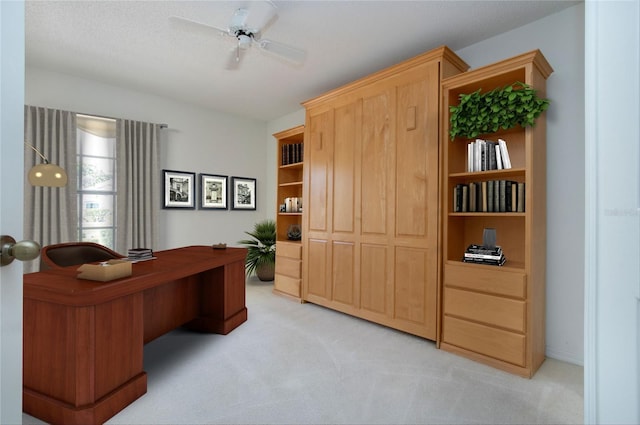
(370, 222)
(489, 313)
(290, 153)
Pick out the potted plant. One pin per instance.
(501, 108)
(261, 256)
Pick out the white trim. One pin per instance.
(590, 272)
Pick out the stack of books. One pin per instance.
(480, 254)
(140, 254)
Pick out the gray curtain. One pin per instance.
(138, 198)
(50, 213)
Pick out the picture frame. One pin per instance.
(213, 192)
(244, 193)
(179, 189)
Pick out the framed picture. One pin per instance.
(179, 189)
(213, 192)
(243, 193)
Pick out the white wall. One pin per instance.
(560, 37)
(199, 140)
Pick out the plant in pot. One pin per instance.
(502, 108)
(261, 255)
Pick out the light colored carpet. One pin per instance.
(294, 363)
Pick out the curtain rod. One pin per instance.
(162, 125)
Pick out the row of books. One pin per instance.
(484, 155)
(292, 204)
(292, 153)
(140, 254)
(489, 196)
(484, 255)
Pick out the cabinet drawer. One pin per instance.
(287, 284)
(288, 249)
(511, 284)
(503, 312)
(496, 343)
(289, 267)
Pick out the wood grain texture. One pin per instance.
(83, 340)
(371, 228)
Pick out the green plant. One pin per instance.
(262, 248)
(501, 108)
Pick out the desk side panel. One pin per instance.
(58, 351)
(222, 299)
(118, 342)
(169, 306)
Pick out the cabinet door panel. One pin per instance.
(344, 169)
(343, 272)
(373, 278)
(417, 157)
(318, 150)
(317, 268)
(411, 276)
(377, 162)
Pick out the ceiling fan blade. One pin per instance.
(191, 24)
(235, 57)
(290, 53)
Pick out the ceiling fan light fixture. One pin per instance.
(244, 41)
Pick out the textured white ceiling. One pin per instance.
(135, 44)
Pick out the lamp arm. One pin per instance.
(44, 158)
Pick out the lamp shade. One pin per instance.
(48, 175)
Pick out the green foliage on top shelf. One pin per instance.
(501, 108)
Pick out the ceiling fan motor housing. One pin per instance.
(244, 38)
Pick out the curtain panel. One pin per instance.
(50, 213)
(138, 195)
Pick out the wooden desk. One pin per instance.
(83, 340)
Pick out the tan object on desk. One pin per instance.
(111, 270)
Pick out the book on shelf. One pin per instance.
(486, 155)
(484, 255)
(506, 160)
(292, 153)
(489, 196)
(520, 198)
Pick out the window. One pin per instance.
(96, 180)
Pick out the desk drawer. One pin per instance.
(496, 343)
(503, 312)
(289, 267)
(501, 282)
(289, 250)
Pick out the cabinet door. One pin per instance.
(318, 180)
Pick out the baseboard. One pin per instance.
(565, 356)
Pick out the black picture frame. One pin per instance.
(243, 193)
(213, 192)
(179, 189)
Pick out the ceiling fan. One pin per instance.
(245, 29)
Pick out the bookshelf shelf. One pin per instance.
(496, 314)
(289, 252)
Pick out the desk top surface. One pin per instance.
(63, 286)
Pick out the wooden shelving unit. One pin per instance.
(288, 252)
(496, 314)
